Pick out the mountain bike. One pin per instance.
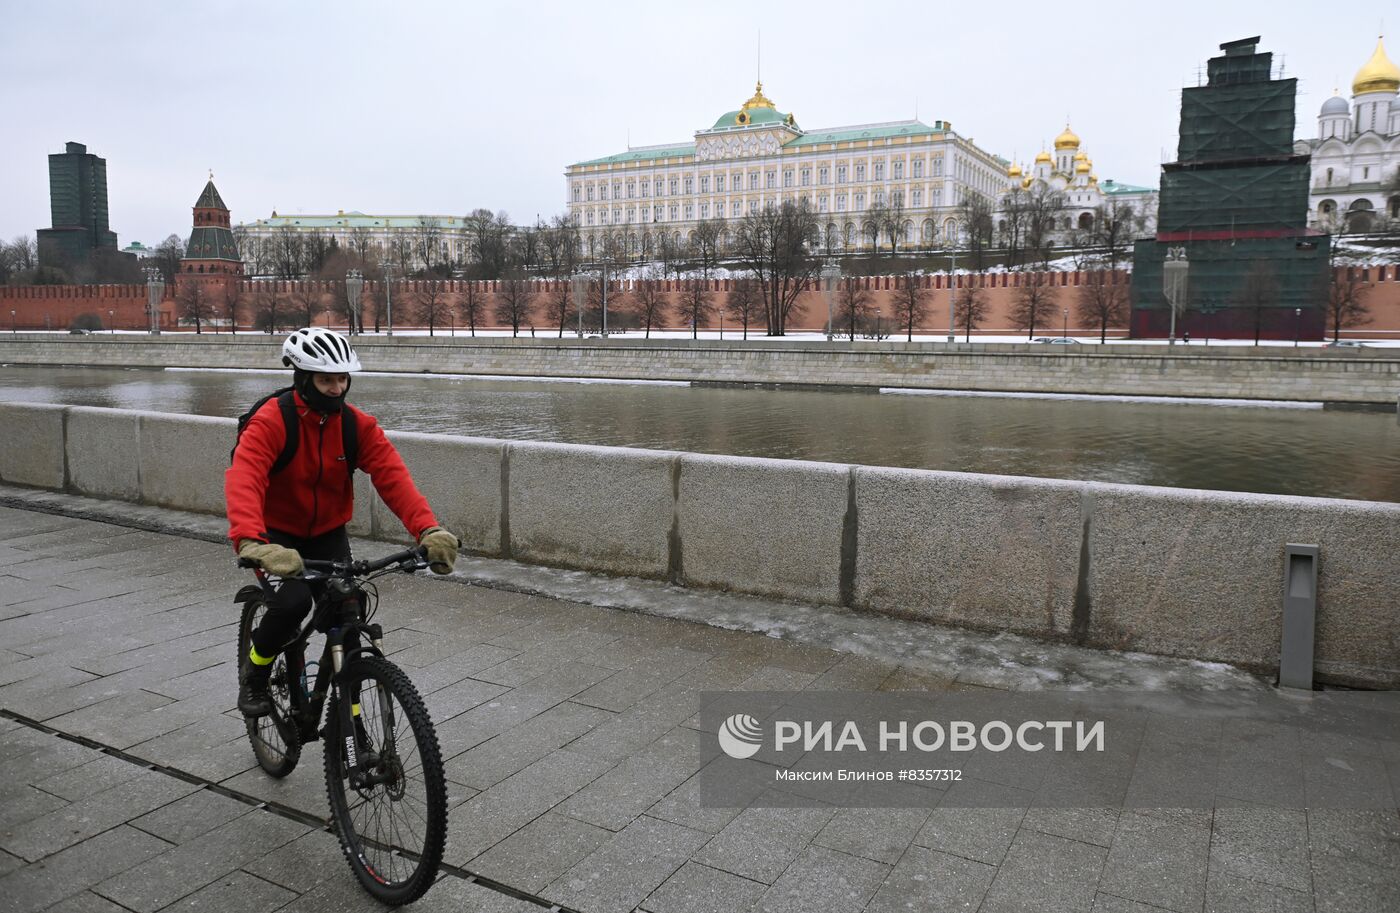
(383, 769)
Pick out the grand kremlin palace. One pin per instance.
(758, 155)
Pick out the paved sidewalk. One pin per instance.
(571, 733)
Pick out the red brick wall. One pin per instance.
(59, 304)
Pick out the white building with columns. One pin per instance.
(1356, 155)
(1070, 172)
(757, 156)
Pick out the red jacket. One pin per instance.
(313, 494)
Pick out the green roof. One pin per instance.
(211, 243)
(868, 131)
(210, 199)
(1112, 187)
(757, 116)
(352, 220)
(642, 155)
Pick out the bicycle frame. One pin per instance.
(339, 613)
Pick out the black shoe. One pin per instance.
(253, 697)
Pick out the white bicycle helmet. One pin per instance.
(318, 349)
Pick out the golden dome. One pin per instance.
(1067, 140)
(1081, 168)
(1081, 157)
(1014, 171)
(759, 100)
(1378, 75)
(1025, 183)
(1043, 157)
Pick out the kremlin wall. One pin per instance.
(123, 307)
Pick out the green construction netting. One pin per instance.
(1240, 197)
(1248, 120)
(1290, 272)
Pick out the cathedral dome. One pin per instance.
(1014, 171)
(1335, 105)
(1378, 75)
(1043, 157)
(1068, 140)
(1081, 157)
(1081, 168)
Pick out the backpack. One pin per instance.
(349, 431)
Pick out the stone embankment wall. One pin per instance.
(1176, 572)
(123, 306)
(1343, 376)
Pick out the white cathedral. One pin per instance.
(1356, 156)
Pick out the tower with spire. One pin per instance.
(212, 252)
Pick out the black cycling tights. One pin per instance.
(289, 598)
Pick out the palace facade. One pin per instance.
(757, 156)
(1356, 155)
(377, 232)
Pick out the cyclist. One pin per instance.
(277, 517)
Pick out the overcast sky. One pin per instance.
(418, 107)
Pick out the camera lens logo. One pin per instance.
(740, 736)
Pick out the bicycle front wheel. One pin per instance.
(393, 824)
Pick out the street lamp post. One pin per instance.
(1297, 325)
(1174, 272)
(13, 331)
(354, 287)
(155, 291)
(1065, 331)
(111, 321)
(831, 274)
(580, 290)
(388, 302)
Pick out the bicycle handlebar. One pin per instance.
(411, 559)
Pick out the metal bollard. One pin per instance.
(1295, 668)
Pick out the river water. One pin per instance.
(1274, 450)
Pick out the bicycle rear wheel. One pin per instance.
(393, 830)
(275, 740)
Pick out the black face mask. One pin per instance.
(305, 384)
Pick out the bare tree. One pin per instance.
(705, 245)
(892, 218)
(1014, 212)
(649, 301)
(167, 258)
(773, 243)
(513, 300)
(433, 303)
(360, 243)
(473, 304)
(1346, 305)
(287, 252)
(975, 222)
(745, 303)
(490, 244)
(1258, 293)
(402, 253)
(25, 251)
(1035, 300)
(195, 303)
(1115, 224)
(853, 305)
(911, 301)
(265, 302)
(230, 297)
(1044, 208)
(873, 226)
(697, 304)
(305, 299)
(1103, 301)
(559, 304)
(971, 307)
(427, 241)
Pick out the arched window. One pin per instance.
(1329, 177)
(1086, 221)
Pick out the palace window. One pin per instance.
(590, 192)
(617, 191)
(878, 198)
(899, 170)
(918, 198)
(660, 188)
(771, 179)
(860, 201)
(631, 215)
(690, 185)
(840, 202)
(719, 182)
(918, 168)
(879, 171)
(617, 216)
(590, 217)
(806, 177)
(821, 203)
(753, 205)
(704, 210)
(577, 190)
(675, 212)
(736, 209)
(675, 186)
(705, 184)
(938, 164)
(631, 190)
(938, 198)
(840, 174)
(823, 174)
(753, 180)
(646, 186)
(787, 178)
(689, 211)
(897, 198)
(860, 172)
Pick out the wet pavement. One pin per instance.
(568, 721)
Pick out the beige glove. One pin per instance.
(275, 559)
(442, 549)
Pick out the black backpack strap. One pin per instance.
(350, 437)
(288, 408)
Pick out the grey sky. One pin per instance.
(445, 107)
